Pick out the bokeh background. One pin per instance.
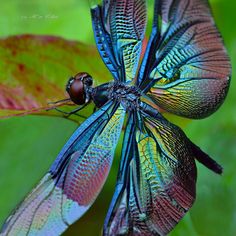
(28, 145)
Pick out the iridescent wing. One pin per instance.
(118, 210)
(159, 184)
(185, 69)
(119, 28)
(74, 180)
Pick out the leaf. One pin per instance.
(34, 71)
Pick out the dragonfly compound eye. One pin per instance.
(75, 88)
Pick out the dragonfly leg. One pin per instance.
(73, 112)
(67, 114)
(59, 101)
(94, 109)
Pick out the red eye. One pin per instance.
(75, 89)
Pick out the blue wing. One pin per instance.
(74, 180)
(157, 179)
(104, 44)
(156, 184)
(119, 28)
(185, 69)
(117, 212)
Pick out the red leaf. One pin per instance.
(34, 71)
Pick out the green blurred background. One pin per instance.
(29, 144)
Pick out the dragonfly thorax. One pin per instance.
(128, 96)
(81, 92)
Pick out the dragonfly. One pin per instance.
(185, 70)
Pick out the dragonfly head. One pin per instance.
(77, 88)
